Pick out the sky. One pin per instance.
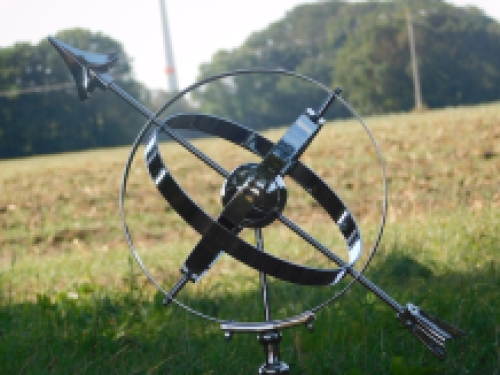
(198, 28)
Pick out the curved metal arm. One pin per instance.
(235, 327)
(282, 156)
(222, 233)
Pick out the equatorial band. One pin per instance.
(223, 239)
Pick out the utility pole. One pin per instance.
(169, 54)
(414, 62)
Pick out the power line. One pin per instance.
(16, 91)
(35, 89)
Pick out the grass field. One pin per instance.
(72, 300)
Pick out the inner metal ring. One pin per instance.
(222, 240)
(143, 133)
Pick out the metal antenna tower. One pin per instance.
(169, 54)
(414, 63)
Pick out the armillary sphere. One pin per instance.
(253, 196)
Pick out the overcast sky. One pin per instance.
(198, 27)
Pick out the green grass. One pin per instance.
(73, 301)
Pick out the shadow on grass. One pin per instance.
(102, 332)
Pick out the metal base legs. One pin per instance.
(271, 341)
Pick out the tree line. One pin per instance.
(56, 121)
(362, 47)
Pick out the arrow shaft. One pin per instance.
(177, 137)
(181, 140)
(341, 263)
(391, 302)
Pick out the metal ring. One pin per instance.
(233, 245)
(147, 127)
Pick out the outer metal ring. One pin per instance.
(147, 128)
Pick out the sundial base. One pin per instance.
(280, 368)
(271, 341)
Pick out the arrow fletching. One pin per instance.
(431, 331)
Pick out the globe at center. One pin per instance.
(269, 195)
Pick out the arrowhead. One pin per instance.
(431, 331)
(90, 70)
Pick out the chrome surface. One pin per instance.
(252, 144)
(255, 143)
(219, 235)
(277, 325)
(301, 174)
(431, 331)
(90, 71)
(270, 340)
(259, 240)
(285, 153)
(270, 198)
(176, 289)
(273, 365)
(356, 274)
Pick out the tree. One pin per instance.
(56, 121)
(362, 47)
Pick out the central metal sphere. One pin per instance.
(269, 196)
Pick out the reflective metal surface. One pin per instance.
(300, 173)
(84, 66)
(285, 153)
(270, 340)
(248, 327)
(91, 70)
(219, 235)
(431, 331)
(259, 240)
(270, 198)
(320, 191)
(252, 142)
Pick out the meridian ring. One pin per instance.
(252, 142)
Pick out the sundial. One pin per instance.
(253, 196)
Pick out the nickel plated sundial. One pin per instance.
(253, 196)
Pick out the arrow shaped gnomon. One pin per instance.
(91, 70)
